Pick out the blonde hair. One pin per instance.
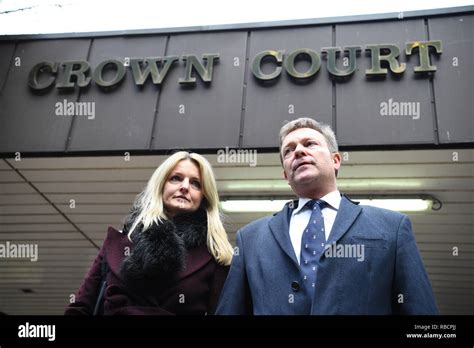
(149, 204)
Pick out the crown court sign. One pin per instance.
(78, 73)
(380, 81)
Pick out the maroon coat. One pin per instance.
(195, 290)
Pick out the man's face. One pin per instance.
(308, 165)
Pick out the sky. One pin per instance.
(69, 16)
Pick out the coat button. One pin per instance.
(295, 286)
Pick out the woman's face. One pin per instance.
(182, 191)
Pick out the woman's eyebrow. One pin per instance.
(179, 173)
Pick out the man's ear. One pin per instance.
(284, 175)
(336, 156)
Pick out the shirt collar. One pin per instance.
(333, 199)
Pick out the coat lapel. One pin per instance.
(345, 217)
(117, 246)
(279, 225)
(196, 259)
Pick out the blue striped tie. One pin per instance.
(312, 244)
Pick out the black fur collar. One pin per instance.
(192, 228)
(159, 252)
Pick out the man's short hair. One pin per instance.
(306, 122)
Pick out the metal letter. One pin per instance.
(257, 62)
(313, 69)
(40, 67)
(97, 76)
(332, 57)
(424, 53)
(204, 72)
(391, 58)
(82, 67)
(151, 68)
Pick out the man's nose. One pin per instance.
(300, 150)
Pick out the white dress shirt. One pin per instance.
(300, 218)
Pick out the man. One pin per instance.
(324, 254)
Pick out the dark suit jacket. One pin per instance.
(193, 291)
(265, 277)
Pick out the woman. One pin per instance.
(173, 254)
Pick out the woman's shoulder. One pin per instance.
(116, 238)
(116, 246)
(113, 231)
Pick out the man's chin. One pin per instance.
(304, 178)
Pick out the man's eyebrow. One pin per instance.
(303, 140)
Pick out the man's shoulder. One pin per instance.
(368, 209)
(377, 214)
(372, 212)
(258, 224)
(260, 227)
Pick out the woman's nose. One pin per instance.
(184, 185)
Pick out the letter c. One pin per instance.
(38, 68)
(257, 62)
